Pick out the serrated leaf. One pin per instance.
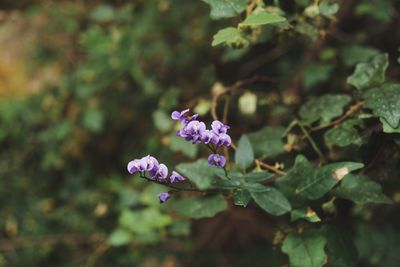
(324, 108)
(196, 208)
(361, 190)
(262, 18)
(304, 213)
(267, 142)
(241, 197)
(244, 155)
(228, 36)
(305, 250)
(345, 134)
(319, 181)
(226, 8)
(387, 128)
(272, 201)
(340, 247)
(384, 101)
(199, 172)
(369, 74)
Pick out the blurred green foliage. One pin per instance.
(123, 66)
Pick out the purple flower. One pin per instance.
(164, 197)
(218, 127)
(216, 160)
(208, 136)
(195, 127)
(192, 131)
(176, 177)
(176, 115)
(159, 172)
(134, 166)
(224, 140)
(148, 163)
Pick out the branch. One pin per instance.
(354, 108)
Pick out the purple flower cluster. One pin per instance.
(195, 131)
(157, 171)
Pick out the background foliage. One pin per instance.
(309, 88)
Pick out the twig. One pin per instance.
(348, 113)
(269, 167)
(313, 144)
(171, 186)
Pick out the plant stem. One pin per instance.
(313, 144)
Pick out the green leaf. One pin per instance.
(384, 101)
(319, 181)
(199, 172)
(345, 134)
(304, 213)
(257, 176)
(179, 228)
(144, 220)
(398, 59)
(353, 54)
(241, 197)
(228, 36)
(267, 142)
(93, 119)
(253, 187)
(103, 13)
(327, 9)
(226, 8)
(361, 190)
(162, 121)
(120, 237)
(340, 246)
(305, 250)
(196, 208)
(287, 184)
(178, 144)
(262, 18)
(244, 155)
(314, 74)
(369, 74)
(387, 128)
(272, 201)
(303, 182)
(324, 108)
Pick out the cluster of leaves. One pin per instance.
(308, 87)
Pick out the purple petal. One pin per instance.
(175, 115)
(163, 197)
(176, 177)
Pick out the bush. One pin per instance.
(307, 88)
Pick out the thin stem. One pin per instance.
(175, 188)
(170, 186)
(349, 112)
(313, 144)
(226, 173)
(269, 167)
